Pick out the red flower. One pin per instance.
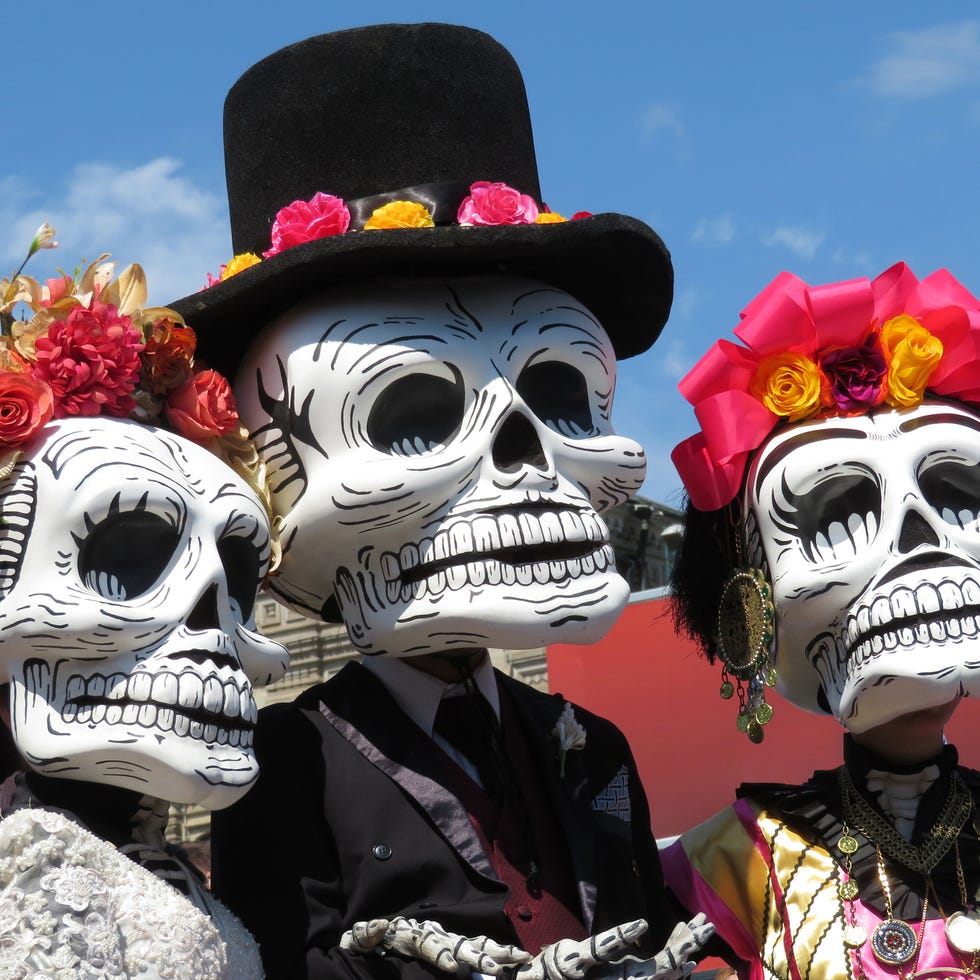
(25, 405)
(91, 361)
(203, 407)
(303, 221)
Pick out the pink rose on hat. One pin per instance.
(496, 204)
(304, 221)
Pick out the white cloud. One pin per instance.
(149, 214)
(715, 231)
(662, 116)
(856, 261)
(802, 242)
(928, 62)
(676, 360)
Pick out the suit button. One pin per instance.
(524, 913)
(381, 851)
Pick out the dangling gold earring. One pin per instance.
(744, 638)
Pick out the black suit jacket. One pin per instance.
(371, 831)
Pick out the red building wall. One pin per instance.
(690, 755)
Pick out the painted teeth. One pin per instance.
(465, 542)
(947, 610)
(907, 617)
(158, 701)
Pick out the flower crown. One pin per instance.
(325, 215)
(839, 349)
(89, 347)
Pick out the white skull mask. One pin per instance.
(871, 536)
(129, 564)
(439, 452)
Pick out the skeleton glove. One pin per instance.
(429, 942)
(571, 959)
(673, 962)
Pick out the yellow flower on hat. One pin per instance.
(549, 218)
(400, 214)
(913, 353)
(790, 385)
(244, 260)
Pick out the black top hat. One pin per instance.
(421, 110)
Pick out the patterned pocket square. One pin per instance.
(615, 798)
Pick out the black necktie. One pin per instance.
(469, 724)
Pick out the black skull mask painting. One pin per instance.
(452, 441)
(132, 560)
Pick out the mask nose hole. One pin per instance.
(517, 445)
(915, 532)
(204, 615)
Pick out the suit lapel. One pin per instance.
(571, 792)
(357, 706)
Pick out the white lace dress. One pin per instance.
(73, 907)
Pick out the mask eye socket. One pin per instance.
(124, 555)
(417, 413)
(835, 519)
(558, 394)
(243, 565)
(952, 489)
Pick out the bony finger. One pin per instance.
(616, 941)
(507, 955)
(436, 950)
(369, 934)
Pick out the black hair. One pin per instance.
(704, 563)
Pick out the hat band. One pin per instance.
(441, 199)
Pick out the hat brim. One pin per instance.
(614, 264)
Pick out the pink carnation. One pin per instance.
(304, 221)
(496, 204)
(203, 407)
(91, 362)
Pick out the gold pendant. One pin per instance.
(855, 936)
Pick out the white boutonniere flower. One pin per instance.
(569, 734)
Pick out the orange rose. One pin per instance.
(26, 403)
(168, 356)
(203, 407)
(790, 385)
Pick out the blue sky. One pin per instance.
(829, 139)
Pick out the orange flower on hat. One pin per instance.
(913, 354)
(549, 218)
(244, 260)
(790, 385)
(400, 214)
